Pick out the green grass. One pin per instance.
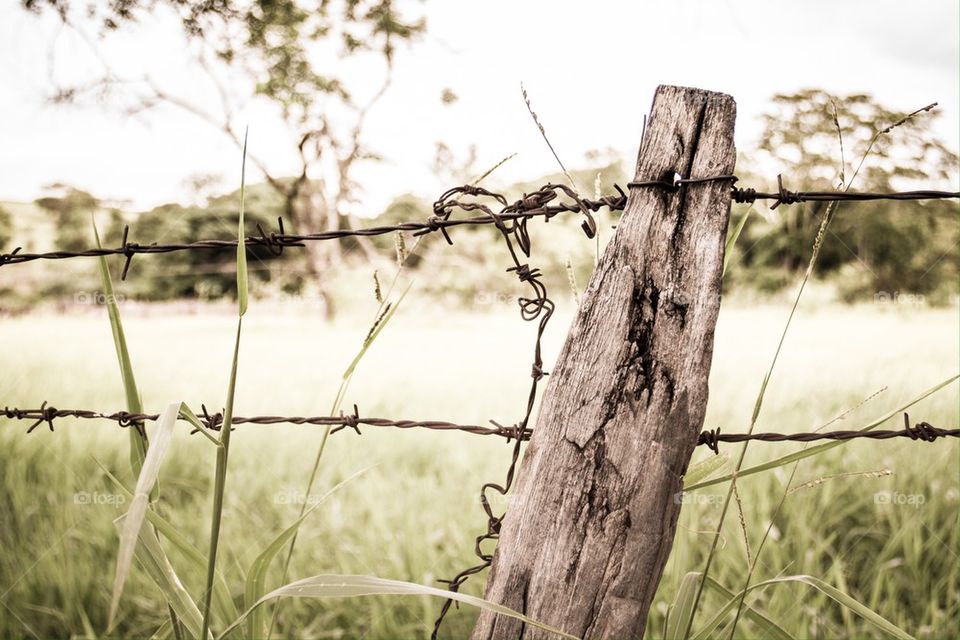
(414, 513)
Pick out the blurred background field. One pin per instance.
(413, 513)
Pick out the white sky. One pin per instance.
(905, 54)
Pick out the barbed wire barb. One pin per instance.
(530, 206)
(710, 438)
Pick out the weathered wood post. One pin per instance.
(589, 530)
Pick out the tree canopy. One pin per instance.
(291, 53)
(818, 139)
(821, 141)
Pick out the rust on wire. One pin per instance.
(924, 431)
(673, 182)
(539, 204)
(784, 196)
(710, 438)
(537, 307)
(48, 414)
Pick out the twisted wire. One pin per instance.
(710, 438)
(530, 206)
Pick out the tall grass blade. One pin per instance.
(384, 314)
(348, 586)
(769, 629)
(732, 240)
(682, 608)
(89, 632)
(138, 436)
(821, 480)
(133, 521)
(150, 555)
(543, 132)
(138, 441)
(223, 603)
(187, 414)
(379, 325)
(820, 448)
(164, 632)
(257, 575)
(838, 596)
(705, 468)
(220, 478)
(242, 283)
(477, 180)
(572, 281)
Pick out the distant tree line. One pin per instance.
(872, 249)
(882, 247)
(262, 51)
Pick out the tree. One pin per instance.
(70, 209)
(801, 135)
(278, 51)
(892, 246)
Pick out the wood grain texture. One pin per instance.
(589, 530)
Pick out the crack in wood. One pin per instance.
(694, 148)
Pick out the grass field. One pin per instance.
(891, 540)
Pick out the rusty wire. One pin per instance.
(539, 204)
(213, 421)
(923, 431)
(784, 196)
(710, 438)
(534, 205)
(673, 181)
(539, 306)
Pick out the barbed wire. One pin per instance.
(532, 205)
(538, 307)
(923, 431)
(740, 195)
(710, 438)
(213, 421)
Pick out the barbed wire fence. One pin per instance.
(711, 438)
(510, 220)
(531, 206)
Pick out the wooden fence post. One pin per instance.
(589, 530)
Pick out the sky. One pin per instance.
(590, 69)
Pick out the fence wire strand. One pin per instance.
(533, 205)
(538, 307)
(710, 438)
